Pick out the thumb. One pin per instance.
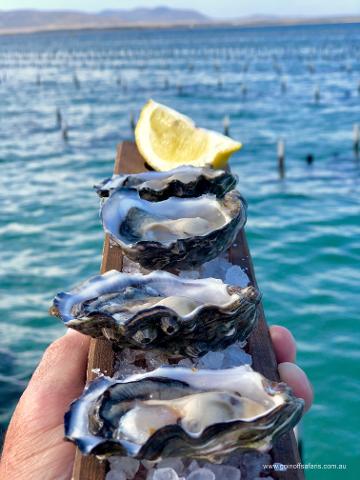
(34, 442)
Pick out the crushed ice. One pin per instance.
(250, 468)
(227, 272)
(131, 361)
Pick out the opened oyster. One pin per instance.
(160, 310)
(181, 412)
(173, 233)
(185, 181)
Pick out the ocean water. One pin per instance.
(304, 231)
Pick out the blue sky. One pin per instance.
(222, 8)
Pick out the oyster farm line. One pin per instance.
(183, 400)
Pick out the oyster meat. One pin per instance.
(173, 233)
(160, 310)
(179, 412)
(185, 181)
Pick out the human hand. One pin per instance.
(34, 445)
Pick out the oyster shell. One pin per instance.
(185, 181)
(180, 412)
(173, 233)
(160, 310)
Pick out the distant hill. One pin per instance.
(155, 15)
(35, 20)
(23, 21)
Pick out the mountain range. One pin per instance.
(23, 21)
(34, 20)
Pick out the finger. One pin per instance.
(298, 381)
(60, 376)
(283, 343)
(34, 440)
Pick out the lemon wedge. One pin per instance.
(167, 139)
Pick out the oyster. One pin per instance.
(160, 310)
(185, 181)
(173, 233)
(180, 412)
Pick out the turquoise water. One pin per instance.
(304, 231)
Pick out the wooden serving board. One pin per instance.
(101, 356)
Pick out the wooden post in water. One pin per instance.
(317, 94)
(132, 123)
(65, 132)
(356, 132)
(58, 118)
(76, 81)
(226, 124)
(281, 158)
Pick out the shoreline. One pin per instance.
(247, 24)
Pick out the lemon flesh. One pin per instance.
(167, 139)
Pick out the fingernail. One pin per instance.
(292, 370)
